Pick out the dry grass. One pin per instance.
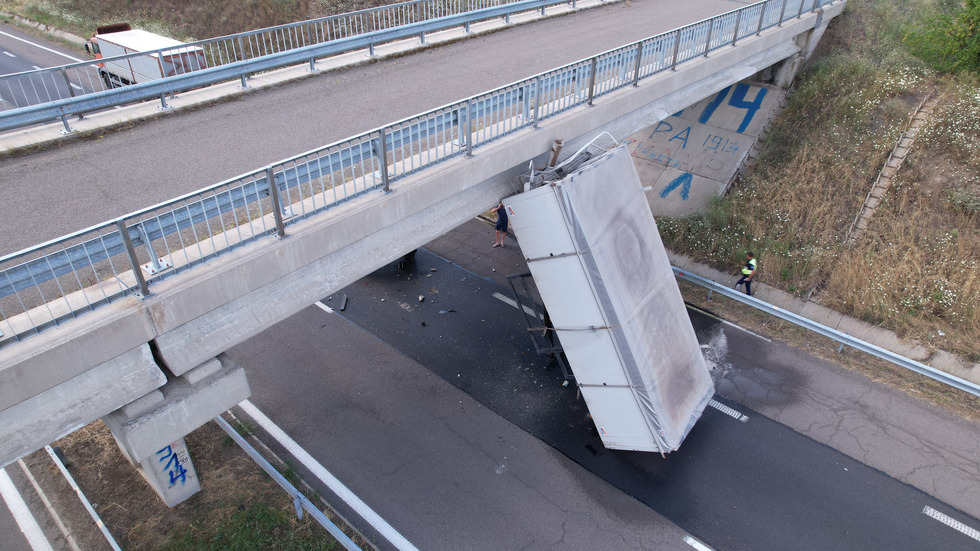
(915, 269)
(236, 497)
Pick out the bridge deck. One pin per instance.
(58, 191)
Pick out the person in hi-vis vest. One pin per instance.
(747, 272)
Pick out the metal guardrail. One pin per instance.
(300, 501)
(43, 286)
(839, 336)
(74, 89)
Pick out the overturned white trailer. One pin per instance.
(602, 272)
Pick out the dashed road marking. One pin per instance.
(731, 412)
(75, 86)
(513, 304)
(45, 48)
(335, 485)
(952, 523)
(22, 514)
(36, 67)
(8, 54)
(696, 544)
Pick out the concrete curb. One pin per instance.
(940, 359)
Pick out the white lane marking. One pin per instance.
(952, 523)
(47, 505)
(731, 412)
(36, 67)
(8, 54)
(513, 304)
(25, 520)
(36, 45)
(696, 544)
(335, 485)
(324, 307)
(75, 86)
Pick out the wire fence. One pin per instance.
(45, 285)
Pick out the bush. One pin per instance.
(949, 38)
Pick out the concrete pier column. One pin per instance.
(150, 430)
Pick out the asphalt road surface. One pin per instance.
(735, 485)
(81, 184)
(20, 52)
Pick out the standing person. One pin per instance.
(501, 226)
(747, 272)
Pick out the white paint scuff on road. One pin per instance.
(8, 54)
(45, 48)
(335, 485)
(324, 307)
(731, 412)
(952, 523)
(696, 544)
(22, 514)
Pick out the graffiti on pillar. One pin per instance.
(683, 181)
(173, 463)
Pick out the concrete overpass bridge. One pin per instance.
(128, 319)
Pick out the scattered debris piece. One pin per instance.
(433, 269)
(422, 324)
(421, 299)
(343, 304)
(446, 311)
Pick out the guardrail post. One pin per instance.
(276, 201)
(418, 19)
(636, 68)
(64, 73)
(537, 99)
(68, 129)
(762, 17)
(131, 252)
(163, 102)
(677, 49)
(738, 23)
(466, 27)
(574, 4)
(707, 42)
(593, 64)
(469, 127)
(383, 157)
(782, 13)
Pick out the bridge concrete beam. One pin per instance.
(195, 316)
(64, 408)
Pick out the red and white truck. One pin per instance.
(163, 56)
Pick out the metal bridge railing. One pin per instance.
(112, 75)
(43, 286)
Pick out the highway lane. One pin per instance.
(752, 485)
(20, 52)
(85, 183)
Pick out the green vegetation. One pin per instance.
(258, 527)
(915, 269)
(948, 36)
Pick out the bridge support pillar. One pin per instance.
(786, 71)
(150, 430)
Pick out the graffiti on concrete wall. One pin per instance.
(691, 155)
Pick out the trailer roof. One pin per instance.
(140, 40)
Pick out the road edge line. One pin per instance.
(335, 485)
